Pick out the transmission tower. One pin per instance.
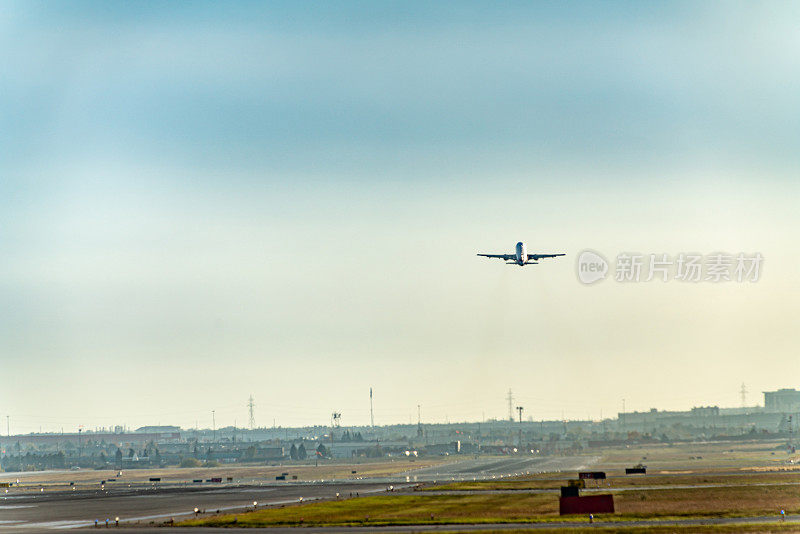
(743, 393)
(419, 422)
(251, 405)
(510, 400)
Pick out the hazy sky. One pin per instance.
(203, 201)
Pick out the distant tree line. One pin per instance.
(347, 436)
(298, 453)
(33, 461)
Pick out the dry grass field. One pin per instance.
(614, 481)
(709, 502)
(524, 507)
(703, 456)
(398, 510)
(761, 528)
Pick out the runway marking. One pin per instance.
(53, 524)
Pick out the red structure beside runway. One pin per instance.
(589, 504)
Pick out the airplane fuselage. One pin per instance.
(522, 254)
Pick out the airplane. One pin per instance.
(521, 257)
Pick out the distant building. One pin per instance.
(705, 411)
(158, 429)
(784, 401)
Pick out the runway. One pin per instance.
(145, 505)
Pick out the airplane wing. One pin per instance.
(504, 257)
(535, 257)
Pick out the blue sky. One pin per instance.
(260, 197)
